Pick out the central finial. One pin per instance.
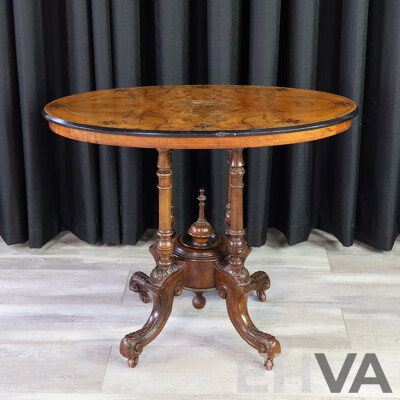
(201, 231)
(202, 202)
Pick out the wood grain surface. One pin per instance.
(200, 116)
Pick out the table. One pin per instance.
(228, 117)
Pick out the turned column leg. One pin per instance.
(167, 278)
(232, 278)
(260, 277)
(164, 244)
(237, 247)
(227, 217)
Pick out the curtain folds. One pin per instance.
(348, 185)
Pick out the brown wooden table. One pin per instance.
(200, 117)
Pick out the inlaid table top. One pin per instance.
(200, 116)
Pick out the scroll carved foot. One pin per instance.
(138, 283)
(132, 344)
(262, 282)
(236, 302)
(199, 301)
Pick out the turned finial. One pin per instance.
(201, 231)
(202, 202)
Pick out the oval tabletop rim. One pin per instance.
(190, 134)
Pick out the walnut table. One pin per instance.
(200, 117)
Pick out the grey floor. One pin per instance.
(65, 307)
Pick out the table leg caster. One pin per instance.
(261, 296)
(199, 301)
(269, 363)
(132, 362)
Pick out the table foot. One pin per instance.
(236, 302)
(199, 301)
(263, 283)
(132, 344)
(132, 362)
(269, 363)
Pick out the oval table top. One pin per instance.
(200, 116)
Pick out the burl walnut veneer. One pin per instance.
(200, 117)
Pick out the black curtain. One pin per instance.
(348, 185)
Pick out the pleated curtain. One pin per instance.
(348, 185)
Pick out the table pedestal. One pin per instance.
(200, 260)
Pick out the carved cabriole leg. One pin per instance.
(236, 303)
(132, 344)
(168, 277)
(232, 279)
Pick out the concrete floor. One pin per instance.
(65, 307)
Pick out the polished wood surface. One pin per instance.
(206, 116)
(175, 117)
(200, 260)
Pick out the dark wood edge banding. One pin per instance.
(207, 142)
(200, 134)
